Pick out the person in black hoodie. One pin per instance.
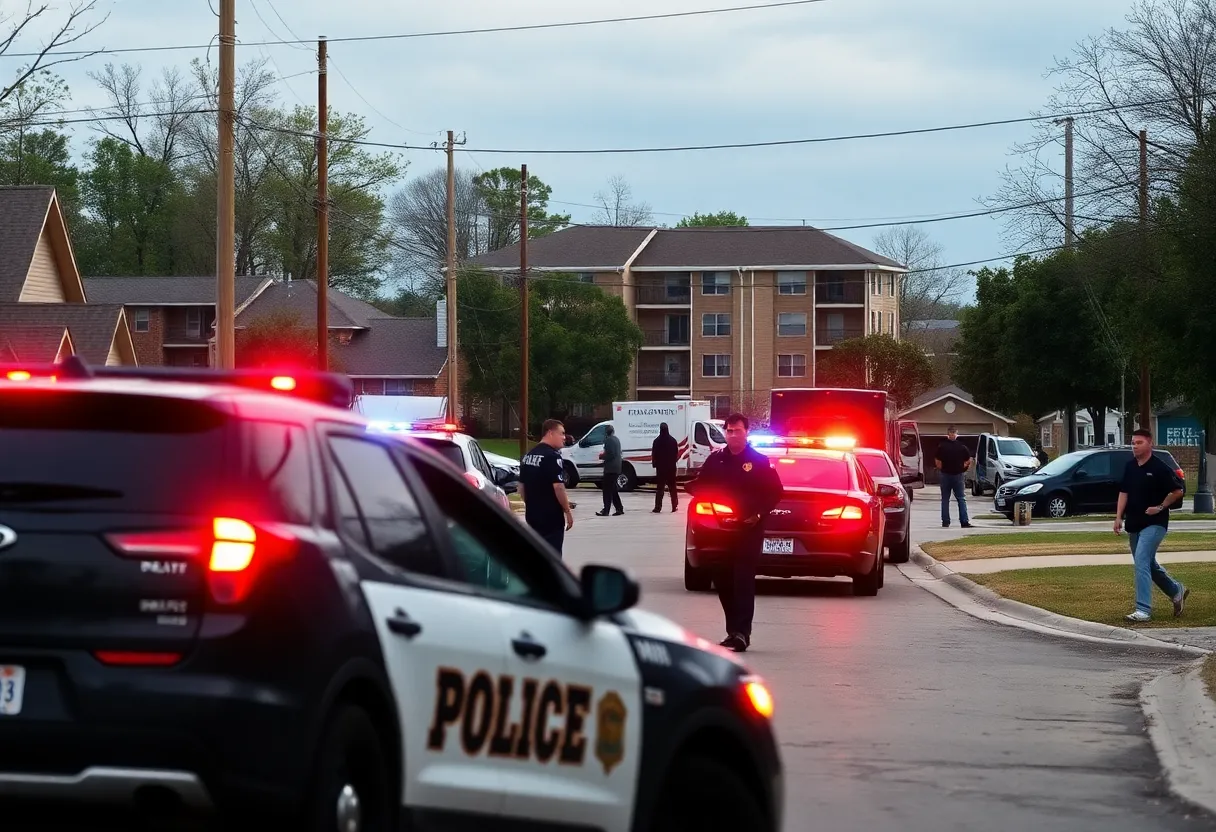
(665, 455)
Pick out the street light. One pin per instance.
(1203, 496)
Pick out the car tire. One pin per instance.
(697, 579)
(627, 480)
(868, 585)
(350, 757)
(976, 490)
(1057, 506)
(900, 552)
(571, 474)
(701, 793)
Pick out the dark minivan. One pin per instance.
(1083, 482)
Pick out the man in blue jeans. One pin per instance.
(952, 460)
(1148, 490)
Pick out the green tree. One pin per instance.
(407, 303)
(41, 157)
(281, 341)
(722, 218)
(583, 341)
(498, 196)
(878, 362)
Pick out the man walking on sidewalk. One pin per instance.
(953, 459)
(1148, 490)
(612, 473)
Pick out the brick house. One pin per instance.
(726, 313)
(44, 313)
(382, 354)
(171, 318)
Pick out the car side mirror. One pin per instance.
(887, 490)
(1080, 475)
(607, 590)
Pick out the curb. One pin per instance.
(1181, 720)
(984, 604)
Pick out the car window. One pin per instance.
(391, 516)
(875, 465)
(1097, 466)
(350, 522)
(479, 459)
(992, 448)
(716, 435)
(702, 435)
(813, 472)
(492, 553)
(279, 465)
(595, 436)
(865, 480)
(908, 444)
(445, 448)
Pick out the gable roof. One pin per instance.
(937, 393)
(167, 291)
(599, 247)
(404, 347)
(33, 343)
(960, 396)
(26, 211)
(95, 328)
(299, 298)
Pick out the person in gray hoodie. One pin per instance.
(612, 472)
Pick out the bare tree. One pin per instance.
(928, 288)
(1155, 74)
(153, 128)
(417, 215)
(69, 31)
(618, 208)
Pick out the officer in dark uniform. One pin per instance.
(743, 478)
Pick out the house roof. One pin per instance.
(394, 347)
(25, 210)
(92, 326)
(592, 248)
(959, 395)
(299, 298)
(938, 393)
(165, 291)
(34, 343)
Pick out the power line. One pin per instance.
(438, 34)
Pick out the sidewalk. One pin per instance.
(989, 565)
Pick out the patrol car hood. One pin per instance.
(655, 626)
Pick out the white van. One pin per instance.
(999, 459)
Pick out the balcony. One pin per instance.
(664, 296)
(664, 378)
(830, 337)
(186, 335)
(665, 338)
(851, 292)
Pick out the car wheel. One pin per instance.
(869, 584)
(900, 552)
(627, 480)
(697, 579)
(1057, 506)
(571, 475)
(351, 787)
(976, 490)
(702, 793)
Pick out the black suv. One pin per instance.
(1083, 482)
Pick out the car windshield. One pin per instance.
(448, 450)
(715, 435)
(1013, 447)
(1061, 464)
(877, 465)
(813, 472)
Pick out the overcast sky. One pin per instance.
(830, 68)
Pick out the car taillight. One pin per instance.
(843, 513)
(124, 658)
(712, 509)
(1181, 474)
(896, 500)
(708, 512)
(475, 479)
(233, 551)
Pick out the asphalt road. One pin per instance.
(901, 713)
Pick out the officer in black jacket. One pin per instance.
(742, 477)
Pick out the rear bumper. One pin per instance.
(708, 549)
(89, 733)
(897, 528)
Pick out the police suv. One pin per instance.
(222, 596)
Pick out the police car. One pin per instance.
(221, 594)
(460, 449)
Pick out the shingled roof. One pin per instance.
(24, 211)
(34, 343)
(299, 298)
(94, 327)
(593, 248)
(166, 291)
(394, 347)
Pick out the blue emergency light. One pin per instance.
(831, 443)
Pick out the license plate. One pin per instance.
(1000, 501)
(12, 689)
(778, 546)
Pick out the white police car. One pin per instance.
(461, 450)
(279, 617)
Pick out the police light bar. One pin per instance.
(381, 426)
(832, 443)
(327, 388)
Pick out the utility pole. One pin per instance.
(225, 233)
(322, 208)
(1070, 231)
(453, 352)
(525, 348)
(1146, 398)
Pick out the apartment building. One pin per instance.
(726, 313)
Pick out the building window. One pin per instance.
(715, 324)
(715, 366)
(875, 283)
(891, 322)
(791, 366)
(791, 324)
(586, 277)
(142, 320)
(194, 323)
(894, 277)
(1045, 436)
(715, 283)
(791, 283)
(397, 387)
(719, 407)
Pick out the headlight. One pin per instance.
(1031, 489)
(758, 696)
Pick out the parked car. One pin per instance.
(1083, 482)
(506, 471)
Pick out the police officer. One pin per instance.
(742, 477)
(542, 486)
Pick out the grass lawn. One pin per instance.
(1209, 674)
(983, 546)
(503, 447)
(1175, 517)
(1105, 593)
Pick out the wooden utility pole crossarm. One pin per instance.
(225, 232)
(525, 347)
(322, 207)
